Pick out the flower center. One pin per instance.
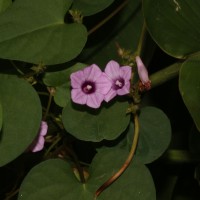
(118, 84)
(88, 87)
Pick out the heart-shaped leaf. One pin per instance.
(21, 117)
(87, 124)
(189, 86)
(130, 185)
(34, 31)
(59, 183)
(174, 25)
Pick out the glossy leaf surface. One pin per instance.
(189, 86)
(174, 25)
(88, 124)
(34, 31)
(58, 181)
(21, 117)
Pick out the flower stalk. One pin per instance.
(126, 163)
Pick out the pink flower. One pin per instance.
(89, 86)
(142, 71)
(143, 74)
(38, 143)
(120, 79)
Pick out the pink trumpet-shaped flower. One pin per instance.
(142, 71)
(120, 79)
(143, 74)
(38, 143)
(89, 86)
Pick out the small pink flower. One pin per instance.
(143, 74)
(38, 143)
(120, 79)
(142, 71)
(89, 86)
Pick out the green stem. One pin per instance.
(52, 145)
(18, 70)
(48, 106)
(165, 75)
(126, 163)
(78, 165)
(141, 41)
(10, 195)
(101, 23)
(175, 156)
(43, 93)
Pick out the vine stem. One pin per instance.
(18, 70)
(48, 106)
(126, 163)
(101, 23)
(165, 74)
(12, 194)
(52, 145)
(141, 40)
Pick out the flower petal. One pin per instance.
(124, 90)
(94, 100)
(125, 73)
(142, 71)
(103, 84)
(43, 128)
(112, 69)
(92, 72)
(38, 145)
(110, 95)
(77, 78)
(78, 96)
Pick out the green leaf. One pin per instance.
(21, 117)
(34, 31)
(4, 4)
(88, 7)
(189, 86)
(1, 117)
(154, 135)
(59, 78)
(174, 25)
(130, 185)
(58, 181)
(88, 124)
(61, 81)
(62, 95)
